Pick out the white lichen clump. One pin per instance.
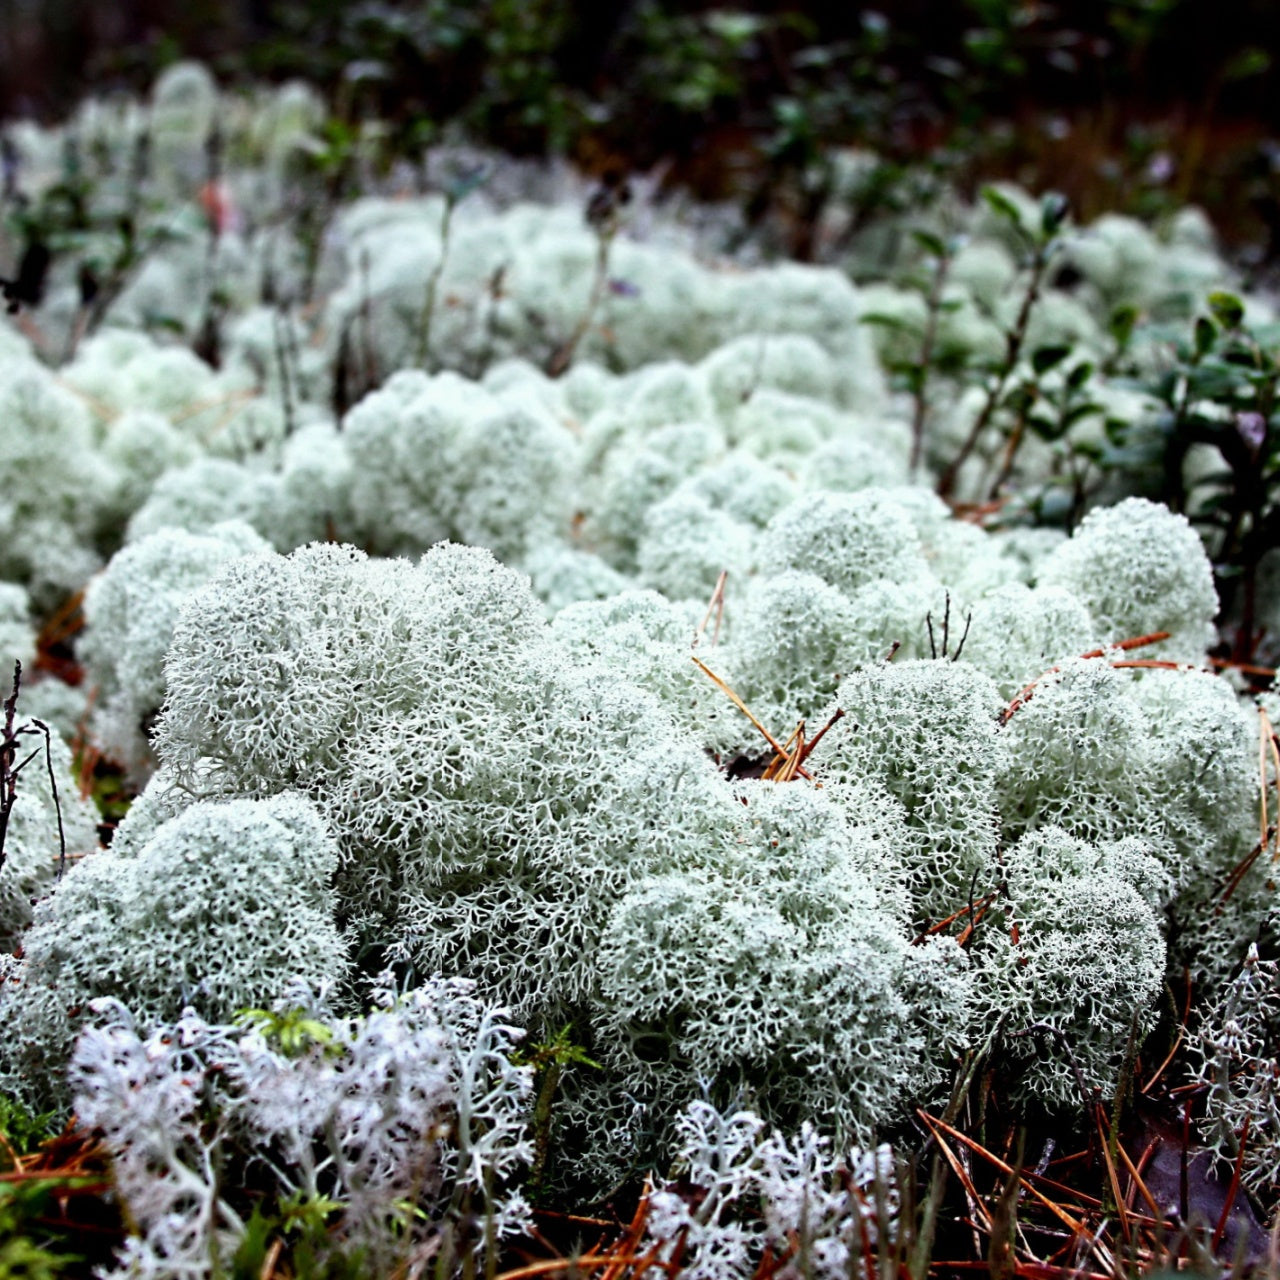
(218, 903)
(392, 1122)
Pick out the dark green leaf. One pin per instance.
(1216, 478)
(1046, 428)
(1215, 502)
(1054, 208)
(1000, 204)
(1078, 411)
(1116, 431)
(1044, 358)
(930, 243)
(896, 323)
(1250, 61)
(1021, 398)
(1227, 309)
(1206, 335)
(1122, 323)
(1080, 375)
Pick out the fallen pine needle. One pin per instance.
(746, 711)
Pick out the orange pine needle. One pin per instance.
(1136, 1179)
(586, 1262)
(1177, 1042)
(1117, 1196)
(838, 714)
(957, 1167)
(1236, 877)
(979, 906)
(1268, 746)
(65, 621)
(746, 711)
(1136, 642)
(934, 1125)
(1234, 1189)
(1248, 668)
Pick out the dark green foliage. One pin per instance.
(28, 1249)
(1218, 391)
(23, 1130)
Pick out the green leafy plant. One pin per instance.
(1218, 397)
(549, 1060)
(292, 1030)
(28, 1249)
(22, 1129)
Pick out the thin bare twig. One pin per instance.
(53, 786)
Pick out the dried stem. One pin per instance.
(714, 605)
(427, 314)
(53, 787)
(1014, 341)
(8, 753)
(920, 379)
(562, 356)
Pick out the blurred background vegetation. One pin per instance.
(1137, 105)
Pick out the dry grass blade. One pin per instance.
(1236, 877)
(783, 768)
(1268, 746)
(1177, 1041)
(1113, 1177)
(746, 711)
(269, 1263)
(855, 1193)
(1085, 1200)
(962, 1174)
(586, 1262)
(1136, 642)
(1233, 1190)
(67, 619)
(576, 1218)
(935, 1125)
(1136, 1180)
(1265, 823)
(53, 641)
(1246, 668)
(629, 1242)
(101, 409)
(714, 606)
(977, 512)
(1046, 1271)
(230, 402)
(966, 933)
(836, 716)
